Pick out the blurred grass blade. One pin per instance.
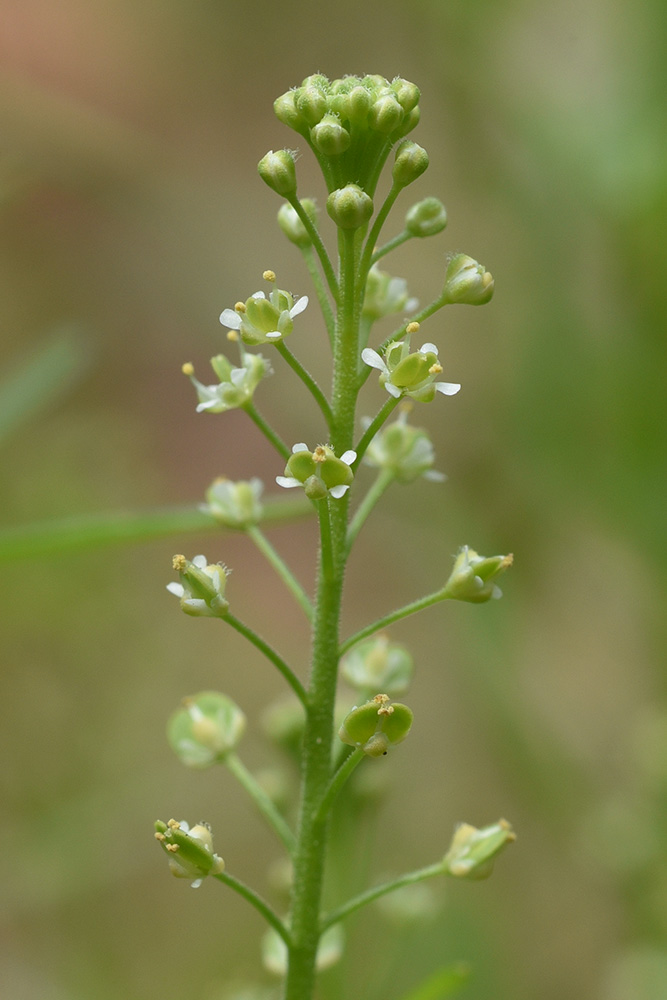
(40, 380)
(446, 982)
(88, 531)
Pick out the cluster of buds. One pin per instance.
(376, 726)
(343, 118)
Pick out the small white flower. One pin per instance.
(406, 373)
(264, 320)
(319, 472)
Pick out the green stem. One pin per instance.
(307, 380)
(267, 430)
(338, 780)
(384, 479)
(281, 568)
(390, 245)
(320, 291)
(394, 616)
(364, 898)
(320, 249)
(374, 426)
(270, 654)
(261, 800)
(255, 900)
(373, 235)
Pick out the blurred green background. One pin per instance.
(131, 215)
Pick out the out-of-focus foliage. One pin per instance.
(131, 208)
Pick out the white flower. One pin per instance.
(202, 587)
(262, 320)
(406, 373)
(319, 472)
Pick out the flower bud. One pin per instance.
(190, 850)
(349, 207)
(293, 227)
(426, 218)
(236, 505)
(278, 171)
(202, 587)
(473, 576)
(407, 94)
(410, 121)
(206, 728)
(329, 137)
(286, 111)
(378, 663)
(410, 163)
(311, 103)
(467, 282)
(376, 726)
(386, 114)
(472, 851)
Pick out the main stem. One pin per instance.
(310, 853)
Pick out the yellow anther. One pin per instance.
(320, 453)
(188, 368)
(178, 563)
(172, 847)
(233, 335)
(412, 327)
(159, 836)
(435, 368)
(381, 699)
(239, 307)
(173, 824)
(269, 276)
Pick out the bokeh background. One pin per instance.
(131, 214)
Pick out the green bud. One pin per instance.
(190, 850)
(236, 505)
(426, 218)
(202, 587)
(473, 576)
(410, 163)
(287, 112)
(206, 728)
(467, 282)
(349, 207)
(410, 121)
(358, 105)
(311, 103)
(377, 663)
(293, 227)
(329, 137)
(472, 851)
(407, 94)
(377, 725)
(386, 114)
(278, 171)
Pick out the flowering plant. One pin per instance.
(352, 126)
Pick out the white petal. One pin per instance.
(230, 318)
(411, 305)
(237, 375)
(176, 589)
(338, 491)
(373, 359)
(299, 447)
(429, 349)
(434, 476)
(447, 388)
(348, 457)
(275, 335)
(392, 389)
(288, 482)
(298, 306)
(206, 406)
(200, 562)
(197, 883)
(258, 295)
